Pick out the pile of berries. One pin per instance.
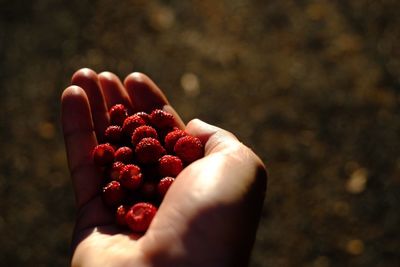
(143, 155)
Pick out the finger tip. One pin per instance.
(107, 76)
(82, 75)
(178, 121)
(73, 101)
(108, 80)
(196, 125)
(74, 96)
(145, 94)
(136, 79)
(72, 91)
(136, 76)
(195, 121)
(206, 132)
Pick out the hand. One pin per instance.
(210, 214)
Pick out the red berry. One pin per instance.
(131, 123)
(143, 132)
(172, 137)
(189, 148)
(139, 216)
(113, 193)
(169, 166)
(118, 114)
(162, 133)
(149, 150)
(144, 116)
(103, 154)
(114, 171)
(131, 176)
(120, 215)
(164, 185)
(161, 119)
(124, 154)
(113, 134)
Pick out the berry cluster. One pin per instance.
(143, 155)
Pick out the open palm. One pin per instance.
(208, 217)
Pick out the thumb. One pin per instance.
(213, 138)
(214, 205)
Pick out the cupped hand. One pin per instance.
(210, 214)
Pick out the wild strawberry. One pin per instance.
(161, 119)
(143, 132)
(114, 171)
(162, 133)
(149, 150)
(120, 215)
(131, 123)
(169, 165)
(103, 154)
(118, 114)
(113, 193)
(132, 183)
(144, 116)
(113, 134)
(172, 137)
(139, 216)
(164, 185)
(124, 154)
(131, 176)
(189, 149)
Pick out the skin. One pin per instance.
(210, 214)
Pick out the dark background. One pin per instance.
(312, 86)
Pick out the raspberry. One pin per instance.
(113, 134)
(164, 185)
(142, 132)
(114, 171)
(169, 166)
(120, 215)
(189, 148)
(118, 114)
(131, 177)
(144, 116)
(149, 150)
(172, 137)
(113, 193)
(124, 154)
(161, 119)
(139, 216)
(103, 154)
(131, 123)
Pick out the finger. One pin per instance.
(80, 140)
(114, 91)
(146, 96)
(213, 138)
(222, 187)
(88, 81)
(178, 121)
(221, 143)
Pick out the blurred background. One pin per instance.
(312, 86)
